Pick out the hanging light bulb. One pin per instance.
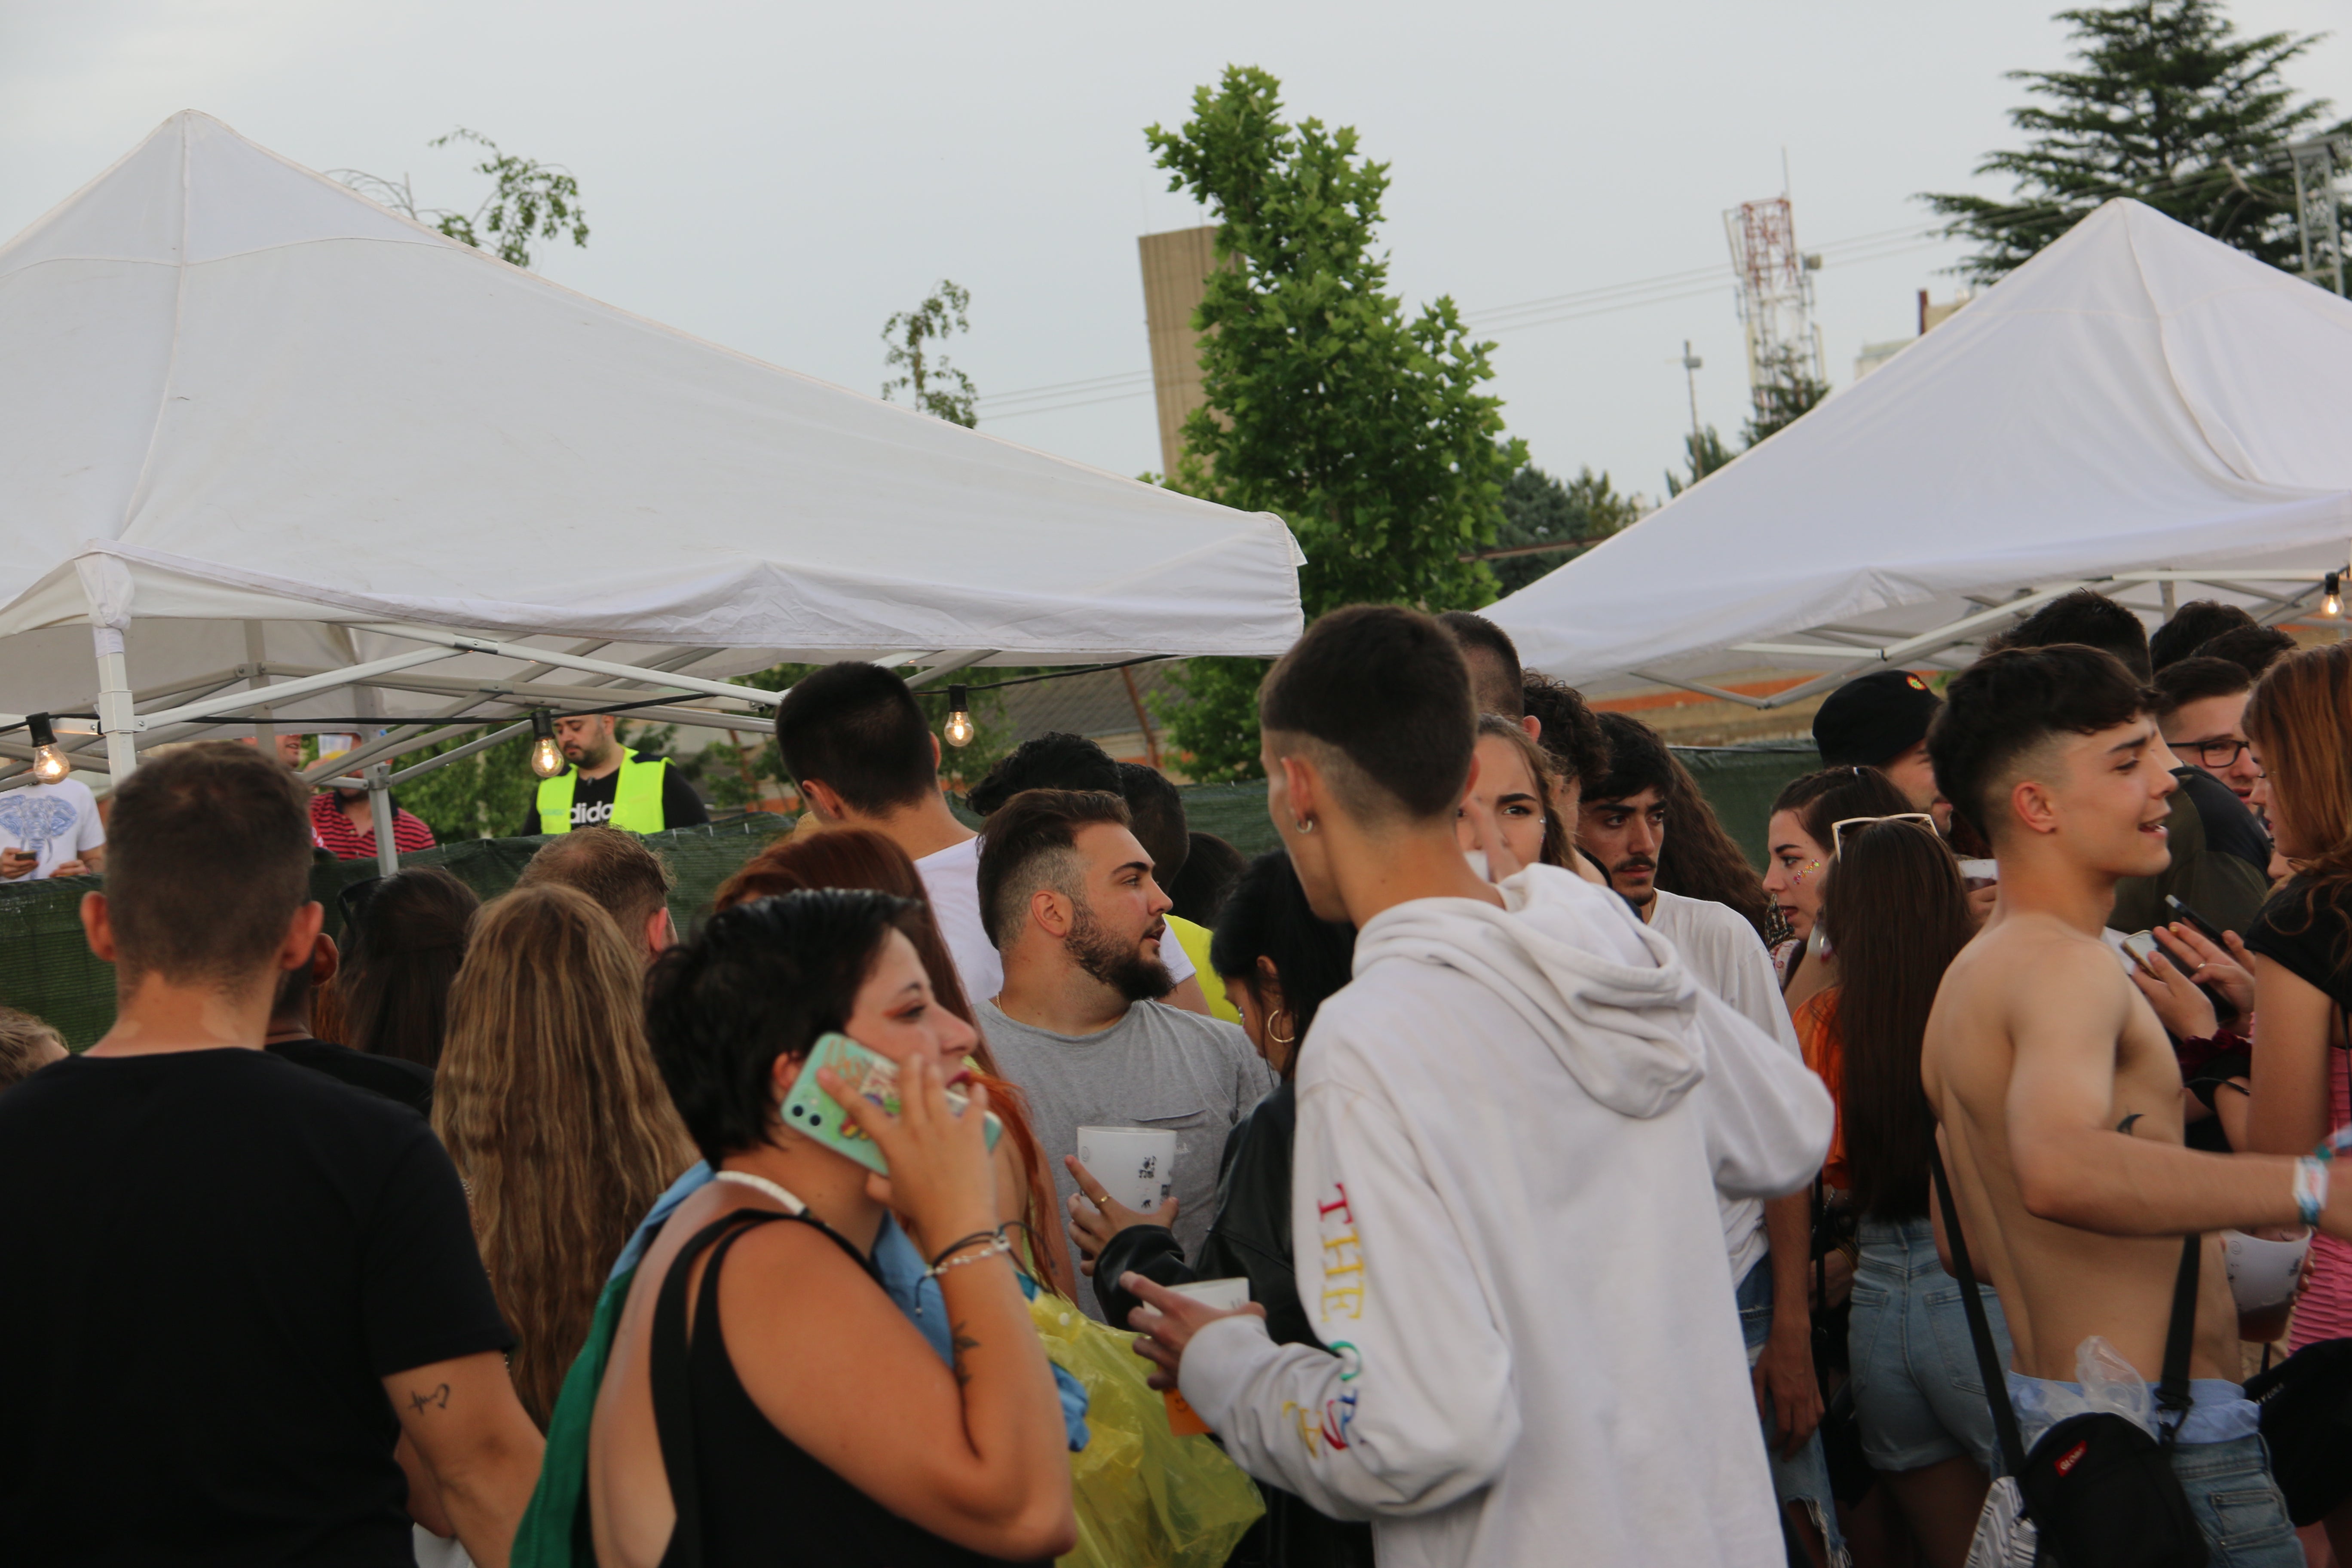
(50, 764)
(959, 725)
(2333, 604)
(546, 756)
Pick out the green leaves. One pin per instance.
(1363, 429)
(528, 200)
(940, 389)
(2172, 107)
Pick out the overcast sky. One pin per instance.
(780, 178)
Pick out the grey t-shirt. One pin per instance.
(1158, 1066)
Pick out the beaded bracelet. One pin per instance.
(996, 1244)
(963, 1241)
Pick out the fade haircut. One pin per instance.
(618, 873)
(1497, 689)
(207, 857)
(2092, 620)
(2001, 713)
(2253, 648)
(1156, 812)
(1383, 695)
(1031, 843)
(1638, 759)
(1056, 759)
(2195, 678)
(1571, 732)
(2194, 623)
(855, 727)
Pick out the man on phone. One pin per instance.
(2058, 1093)
(1512, 1126)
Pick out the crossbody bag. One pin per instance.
(2096, 1491)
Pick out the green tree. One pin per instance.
(1539, 509)
(938, 387)
(2171, 106)
(528, 200)
(1788, 394)
(1703, 452)
(1365, 431)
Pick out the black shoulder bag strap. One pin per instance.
(673, 1404)
(1989, 1367)
(2172, 1395)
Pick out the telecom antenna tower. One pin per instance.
(1776, 296)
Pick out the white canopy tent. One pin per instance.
(2139, 409)
(258, 433)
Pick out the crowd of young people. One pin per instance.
(1588, 1189)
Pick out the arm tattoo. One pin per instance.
(437, 1398)
(958, 1342)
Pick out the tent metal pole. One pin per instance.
(265, 733)
(930, 673)
(379, 788)
(115, 720)
(523, 653)
(356, 675)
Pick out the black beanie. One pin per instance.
(1874, 719)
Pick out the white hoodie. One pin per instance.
(1512, 1127)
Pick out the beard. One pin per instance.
(1117, 963)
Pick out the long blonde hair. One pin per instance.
(550, 1104)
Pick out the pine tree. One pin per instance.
(2172, 107)
(1789, 392)
(1539, 509)
(1705, 452)
(1365, 431)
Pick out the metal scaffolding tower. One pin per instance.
(1776, 296)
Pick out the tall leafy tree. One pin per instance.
(1702, 453)
(2170, 106)
(1539, 509)
(935, 386)
(1366, 431)
(528, 200)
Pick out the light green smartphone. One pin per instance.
(810, 1111)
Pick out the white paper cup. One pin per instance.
(1224, 1294)
(1136, 1166)
(2262, 1274)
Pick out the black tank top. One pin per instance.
(745, 1493)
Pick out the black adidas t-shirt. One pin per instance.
(592, 802)
(208, 1262)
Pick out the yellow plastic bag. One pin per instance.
(1146, 1498)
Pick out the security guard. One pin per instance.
(610, 787)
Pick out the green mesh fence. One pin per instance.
(46, 969)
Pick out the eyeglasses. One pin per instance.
(2218, 753)
(1837, 829)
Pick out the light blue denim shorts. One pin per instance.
(1917, 1393)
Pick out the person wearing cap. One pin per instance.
(1880, 721)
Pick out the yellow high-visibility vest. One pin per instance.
(636, 801)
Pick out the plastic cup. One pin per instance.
(1136, 1166)
(1225, 1296)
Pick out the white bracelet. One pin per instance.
(998, 1245)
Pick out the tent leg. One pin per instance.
(115, 717)
(265, 733)
(387, 853)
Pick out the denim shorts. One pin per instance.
(1917, 1393)
(2228, 1484)
(1806, 1479)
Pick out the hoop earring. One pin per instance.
(1290, 1038)
(1303, 825)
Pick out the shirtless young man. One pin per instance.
(2056, 1088)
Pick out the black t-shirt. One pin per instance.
(2229, 827)
(591, 801)
(2306, 941)
(208, 1262)
(408, 1083)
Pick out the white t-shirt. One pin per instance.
(55, 821)
(1724, 953)
(951, 883)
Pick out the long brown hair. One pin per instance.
(552, 1108)
(2300, 717)
(404, 942)
(861, 858)
(1541, 769)
(1900, 915)
(1700, 860)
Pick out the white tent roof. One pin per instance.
(2139, 406)
(246, 413)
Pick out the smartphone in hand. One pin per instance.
(2190, 918)
(810, 1111)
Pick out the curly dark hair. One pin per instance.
(1055, 760)
(1571, 732)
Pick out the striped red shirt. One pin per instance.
(340, 838)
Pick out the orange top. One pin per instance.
(1817, 1031)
